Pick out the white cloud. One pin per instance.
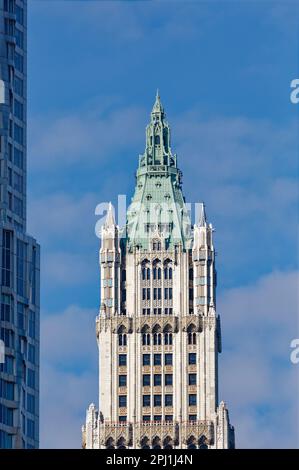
(257, 378)
(68, 375)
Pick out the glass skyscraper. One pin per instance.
(20, 256)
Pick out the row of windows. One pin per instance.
(157, 311)
(157, 272)
(156, 339)
(146, 380)
(157, 359)
(157, 293)
(147, 418)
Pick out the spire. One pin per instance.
(110, 221)
(158, 108)
(202, 222)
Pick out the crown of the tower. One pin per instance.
(158, 208)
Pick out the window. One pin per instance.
(18, 182)
(122, 380)
(19, 62)
(146, 339)
(157, 400)
(168, 418)
(19, 111)
(31, 378)
(18, 134)
(19, 14)
(157, 418)
(7, 390)
(19, 38)
(21, 267)
(168, 338)
(146, 311)
(122, 419)
(6, 415)
(122, 401)
(18, 206)
(168, 359)
(8, 366)
(157, 293)
(146, 418)
(8, 337)
(168, 293)
(21, 315)
(146, 294)
(10, 176)
(157, 380)
(31, 353)
(146, 360)
(18, 86)
(146, 380)
(30, 428)
(31, 324)
(192, 417)
(18, 158)
(122, 360)
(6, 258)
(157, 360)
(168, 379)
(146, 400)
(122, 339)
(30, 403)
(5, 440)
(192, 379)
(156, 245)
(192, 399)
(157, 338)
(146, 273)
(168, 400)
(6, 308)
(192, 358)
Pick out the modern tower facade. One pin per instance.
(19, 260)
(158, 331)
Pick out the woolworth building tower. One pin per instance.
(158, 331)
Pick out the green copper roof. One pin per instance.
(158, 209)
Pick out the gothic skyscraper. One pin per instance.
(158, 331)
(19, 260)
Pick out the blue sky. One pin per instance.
(224, 71)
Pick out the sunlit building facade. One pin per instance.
(158, 331)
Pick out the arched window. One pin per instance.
(203, 442)
(156, 443)
(157, 339)
(122, 337)
(146, 339)
(168, 339)
(191, 443)
(110, 443)
(144, 443)
(191, 334)
(121, 443)
(167, 443)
